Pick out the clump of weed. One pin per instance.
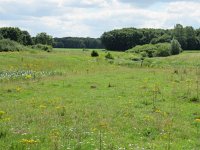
(136, 59)
(93, 86)
(194, 99)
(94, 53)
(175, 71)
(109, 56)
(110, 85)
(46, 48)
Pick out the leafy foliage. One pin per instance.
(76, 42)
(1, 37)
(175, 47)
(9, 45)
(47, 48)
(94, 53)
(124, 39)
(109, 56)
(15, 34)
(43, 38)
(153, 50)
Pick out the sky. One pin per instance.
(91, 18)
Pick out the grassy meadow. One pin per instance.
(68, 100)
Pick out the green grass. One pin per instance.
(80, 102)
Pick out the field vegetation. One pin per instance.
(67, 99)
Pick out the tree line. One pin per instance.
(119, 40)
(126, 38)
(77, 42)
(24, 38)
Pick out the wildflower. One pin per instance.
(55, 133)
(28, 76)
(158, 111)
(29, 141)
(18, 89)
(60, 107)
(94, 129)
(197, 120)
(148, 118)
(43, 106)
(6, 119)
(103, 124)
(156, 89)
(2, 113)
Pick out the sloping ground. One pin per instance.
(97, 104)
(185, 59)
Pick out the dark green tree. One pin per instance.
(1, 37)
(15, 34)
(77, 42)
(44, 38)
(191, 38)
(26, 38)
(175, 47)
(180, 35)
(11, 33)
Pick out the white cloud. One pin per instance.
(93, 17)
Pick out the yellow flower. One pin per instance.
(197, 120)
(43, 106)
(18, 89)
(103, 124)
(55, 133)
(29, 141)
(94, 129)
(158, 111)
(2, 113)
(28, 76)
(6, 119)
(148, 118)
(60, 107)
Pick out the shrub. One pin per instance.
(9, 45)
(149, 49)
(94, 53)
(136, 59)
(109, 56)
(163, 50)
(1, 37)
(175, 47)
(143, 54)
(153, 50)
(47, 48)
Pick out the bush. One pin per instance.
(153, 50)
(143, 54)
(9, 45)
(175, 47)
(136, 59)
(109, 56)
(47, 48)
(149, 49)
(163, 50)
(1, 37)
(94, 53)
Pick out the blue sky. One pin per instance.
(90, 18)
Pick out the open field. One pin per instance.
(69, 100)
